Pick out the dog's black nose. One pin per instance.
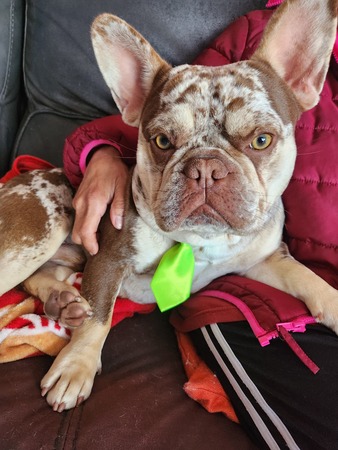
(205, 171)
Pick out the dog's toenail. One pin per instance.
(62, 407)
(44, 391)
(80, 400)
(55, 406)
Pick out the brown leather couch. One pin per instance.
(50, 84)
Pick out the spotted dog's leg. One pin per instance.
(62, 301)
(36, 217)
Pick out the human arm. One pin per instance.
(89, 138)
(95, 158)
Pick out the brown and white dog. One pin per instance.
(216, 150)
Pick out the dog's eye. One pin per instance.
(162, 142)
(261, 142)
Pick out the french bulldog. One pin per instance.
(216, 150)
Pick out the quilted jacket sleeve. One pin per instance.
(110, 130)
(237, 42)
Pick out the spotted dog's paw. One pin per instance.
(69, 309)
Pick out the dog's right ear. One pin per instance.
(128, 64)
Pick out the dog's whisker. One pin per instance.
(123, 146)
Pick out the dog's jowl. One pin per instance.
(216, 150)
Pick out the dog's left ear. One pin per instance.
(298, 42)
(128, 64)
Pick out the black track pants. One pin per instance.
(279, 401)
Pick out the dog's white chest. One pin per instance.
(220, 256)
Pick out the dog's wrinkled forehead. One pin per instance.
(238, 98)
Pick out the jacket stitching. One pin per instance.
(318, 182)
(317, 127)
(312, 242)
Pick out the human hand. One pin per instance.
(104, 182)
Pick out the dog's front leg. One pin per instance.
(283, 272)
(70, 379)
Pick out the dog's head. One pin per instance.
(216, 144)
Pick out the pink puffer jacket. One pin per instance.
(311, 200)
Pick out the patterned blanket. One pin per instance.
(25, 330)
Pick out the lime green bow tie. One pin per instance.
(172, 280)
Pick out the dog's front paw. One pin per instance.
(69, 381)
(69, 309)
(328, 314)
(324, 307)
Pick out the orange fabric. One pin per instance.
(202, 385)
